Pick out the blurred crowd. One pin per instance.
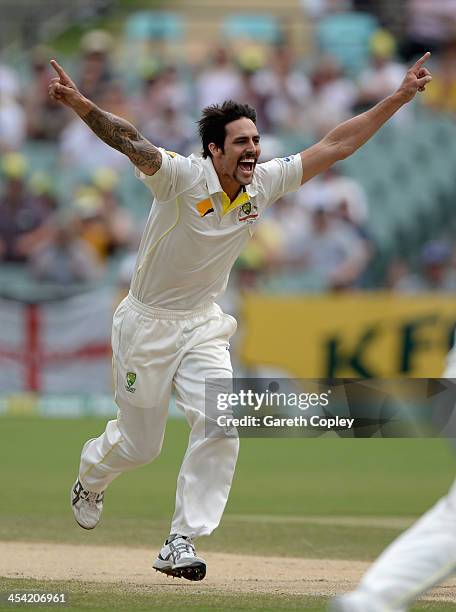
(316, 239)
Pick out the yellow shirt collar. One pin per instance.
(240, 199)
(213, 185)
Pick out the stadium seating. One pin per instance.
(409, 181)
(148, 25)
(148, 38)
(41, 156)
(346, 36)
(260, 28)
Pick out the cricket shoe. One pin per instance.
(178, 558)
(87, 506)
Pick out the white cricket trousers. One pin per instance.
(154, 351)
(421, 557)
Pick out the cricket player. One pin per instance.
(417, 560)
(169, 332)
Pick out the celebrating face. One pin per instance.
(236, 163)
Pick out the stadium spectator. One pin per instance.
(345, 196)
(382, 76)
(332, 98)
(148, 93)
(263, 255)
(9, 81)
(12, 116)
(43, 187)
(80, 148)
(435, 273)
(96, 71)
(317, 243)
(399, 276)
(103, 225)
(114, 99)
(441, 96)
(45, 118)
(350, 207)
(282, 92)
(284, 237)
(117, 220)
(66, 259)
(168, 94)
(293, 221)
(429, 24)
(127, 266)
(254, 97)
(220, 81)
(22, 215)
(333, 250)
(167, 87)
(170, 128)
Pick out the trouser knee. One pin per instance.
(227, 447)
(142, 455)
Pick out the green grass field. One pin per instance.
(289, 498)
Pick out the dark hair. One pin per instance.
(214, 118)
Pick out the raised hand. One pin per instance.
(62, 89)
(416, 79)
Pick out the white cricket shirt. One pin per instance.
(194, 234)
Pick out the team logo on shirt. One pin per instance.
(204, 207)
(248, 212)
(131, 378)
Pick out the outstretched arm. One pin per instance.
(349, 136)
(114, 131)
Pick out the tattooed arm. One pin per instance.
(124, 137)
(113, 130)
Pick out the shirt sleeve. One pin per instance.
(279, 176)
(175, 175)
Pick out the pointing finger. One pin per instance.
(60, 71)
(421, 61)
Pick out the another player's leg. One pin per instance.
(207, 469)
(420, 558)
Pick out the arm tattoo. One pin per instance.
(124, 137)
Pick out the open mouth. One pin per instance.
(247, 165)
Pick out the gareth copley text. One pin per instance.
(225, 420)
